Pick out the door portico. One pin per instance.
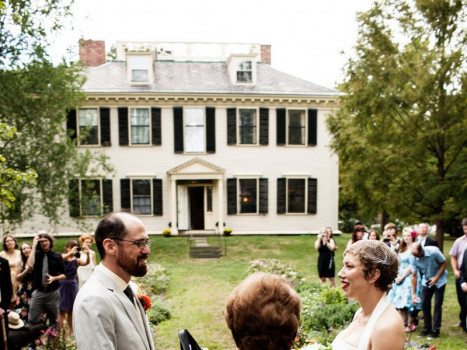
(196, 197)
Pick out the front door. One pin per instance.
(196, 198)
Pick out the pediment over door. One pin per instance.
(197, 169)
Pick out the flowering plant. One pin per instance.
(145, 301)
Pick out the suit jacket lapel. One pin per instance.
(127, 305)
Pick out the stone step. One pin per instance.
(205, 252)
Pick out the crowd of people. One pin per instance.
(42, 286)
(393, 278)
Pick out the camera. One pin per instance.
(428, 283)
(78, 255)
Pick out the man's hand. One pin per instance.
(50, 279)
(2, 312)
(464, 287)
(457, 274)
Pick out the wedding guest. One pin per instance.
(48, 269)
(401, 291)
(106, 313)
(393, 235)
(69, 286)
(325, 245)
(457, 257)
(6, 290)
(369, 269)
(24, 277)
(84, 272)
(263, 313)
(373, 234)
(423, 236)
(357, 235)
(13, 255)
(431, 264)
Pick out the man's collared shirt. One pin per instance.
(56, 267)
(429, 265)
(458, 248)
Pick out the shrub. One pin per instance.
(276, 267)
(156, 280)
(329, 317)
(227, 231)
(158, 312)
(167, 232)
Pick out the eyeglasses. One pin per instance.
(140, 244)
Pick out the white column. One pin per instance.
(220, 203)
(173, 206)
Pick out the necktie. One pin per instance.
(129, 293)
(45, 270)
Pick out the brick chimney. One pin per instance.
(266, 54)
(92, 52)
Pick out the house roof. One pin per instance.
(198, 77)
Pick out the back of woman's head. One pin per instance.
(263, 312)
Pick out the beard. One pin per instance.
(135, 266)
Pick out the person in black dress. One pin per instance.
(325, 245)
(24, 277)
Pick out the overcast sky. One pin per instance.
(311, 39)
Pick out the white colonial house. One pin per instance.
(202, 137)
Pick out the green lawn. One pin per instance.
(198, 288)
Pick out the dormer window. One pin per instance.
(139, 68)
(245, 72)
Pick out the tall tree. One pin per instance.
(35, 95)
(400, 133)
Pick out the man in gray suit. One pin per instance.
(106, 314)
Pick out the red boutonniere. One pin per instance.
(145, 301)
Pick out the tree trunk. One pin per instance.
(383, 219)
(440, 233)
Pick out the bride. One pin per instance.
(369, 269)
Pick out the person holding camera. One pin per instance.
(69, 286)
(431, 264)
(47, 269)
(325, 245)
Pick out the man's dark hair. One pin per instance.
(464, 222)
(111, 226)
(47, 236)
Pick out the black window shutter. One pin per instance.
(312, 127)
(123, 126)
(281, 195)
(104, 113)
(281, 126)
(263, 196)
(157, 196)
(231, 126)
(71, 124)
(73, 199)
(107, 196)
(263, 126)
(125, 194)
(312, 195)
(156, 126)
(210, 130)
(178, 129)
(231, 196)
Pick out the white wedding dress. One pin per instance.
(340, 344)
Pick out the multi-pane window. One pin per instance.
(245, 72)
(140, 68)
(140, 126)
(248, 195)
(141, 195)
(296, 195)
(296, 127)
(209, 198)
(89, 126)
(248, 121)
(91, 199)
(195, 134)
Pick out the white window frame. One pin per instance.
(239, 128)
(239, 205)
(101, 197)
(203, 109)
(240, 70)
(305, 197)
(305, 129)
(78, 131)
(150, 195)
(130, 127)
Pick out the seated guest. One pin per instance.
(263, 313)
(21, 334)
